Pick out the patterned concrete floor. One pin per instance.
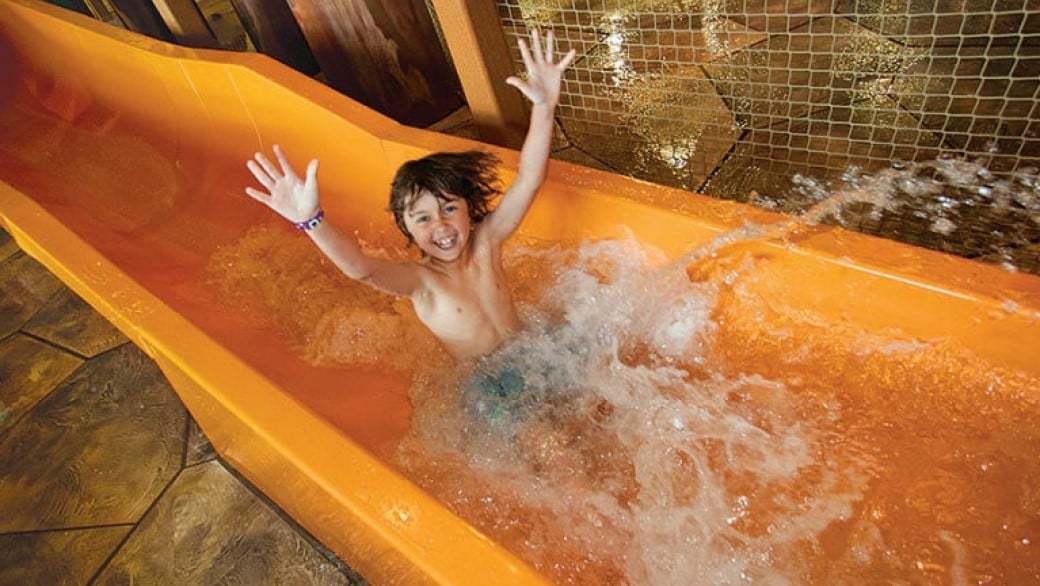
(104, 476)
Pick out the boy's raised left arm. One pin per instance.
(542, 88)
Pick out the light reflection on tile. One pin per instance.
(98, 450)
(29, 370)
(67, 321)
(57, 557)
(210, 529)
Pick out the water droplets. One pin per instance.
(943, 226)
(626, 440)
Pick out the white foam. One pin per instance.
(626, 446)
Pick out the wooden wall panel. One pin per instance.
(271, 26)
(383, 53)
(185, 21)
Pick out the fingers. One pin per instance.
(525, 54)
(536, 46)
(312, 172)
(568, 59)
(261, 166)
(258, 195)
(284, 190)
(267, 165)
(261, 174)
(536, 53)
(266, 172)
(283, 161)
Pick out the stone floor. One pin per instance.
(104, 476)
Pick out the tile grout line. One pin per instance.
(69, 528)
(134, 526)
(69, 351)
(326, 553)
(27, 412)
(187, 431)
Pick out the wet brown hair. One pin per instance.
(469, 175)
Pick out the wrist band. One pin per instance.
(313, 222)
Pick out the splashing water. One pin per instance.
(638, 453)
(627, 457)
(950, 204)
(648, 429)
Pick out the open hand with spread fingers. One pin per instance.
(542, 85)
(293, 198)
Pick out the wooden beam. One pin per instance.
(185, 21)
(141, 16)
(474, 36)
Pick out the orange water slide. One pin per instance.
(122, 170)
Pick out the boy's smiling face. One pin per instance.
(441, 227)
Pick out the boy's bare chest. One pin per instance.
(460, 294)
(459, 303)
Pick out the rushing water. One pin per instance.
(675, 432)
(647, 428)
(628, 457)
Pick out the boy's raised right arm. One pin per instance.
(296, 199)
(542, 88)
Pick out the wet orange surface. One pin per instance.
(126, 180)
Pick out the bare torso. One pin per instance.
(467, 303)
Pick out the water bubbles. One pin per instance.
(947, 203)
(851, 177)
(1028, 177)
(950, 203)
(943, 226)
(676, 154)
(625, 442)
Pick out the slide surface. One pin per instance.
(122, 170)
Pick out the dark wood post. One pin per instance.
(273, 30)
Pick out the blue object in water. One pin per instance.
(496, 393)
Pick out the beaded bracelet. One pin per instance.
(313, 222)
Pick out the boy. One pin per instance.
(458, 287)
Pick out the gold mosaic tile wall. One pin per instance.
(735, 98)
